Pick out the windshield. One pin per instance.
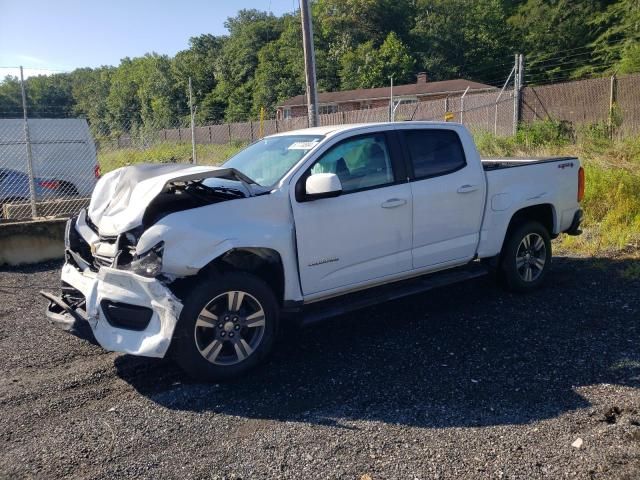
(266, 161)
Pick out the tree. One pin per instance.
(555, 36)
(198, 62)
(10, 98)
(617, 45)
(368, 67)
(249, 31)
(90, 92)
(358, 43)
(280, 71)
(461, 38)
(50, 96)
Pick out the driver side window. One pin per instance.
(360, 163)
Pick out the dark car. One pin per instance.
(14, 188)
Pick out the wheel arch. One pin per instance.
(265, 263)
(544, 213)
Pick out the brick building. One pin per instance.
(365, 98)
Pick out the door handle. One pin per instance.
(393, 203)
(467, 188)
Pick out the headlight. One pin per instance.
(149, 264)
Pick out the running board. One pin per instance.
(322, 310)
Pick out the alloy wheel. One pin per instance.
(229, 328)
(531, 257)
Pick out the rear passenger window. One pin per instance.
(434, 152)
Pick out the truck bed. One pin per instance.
(511, 162)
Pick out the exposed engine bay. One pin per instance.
(138, 197)
(181, 196)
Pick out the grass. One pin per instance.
(612, 172)
(166, 153)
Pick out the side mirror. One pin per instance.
(322, 185)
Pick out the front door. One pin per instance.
(364, 233)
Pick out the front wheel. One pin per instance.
(526, 257)
(227, 326)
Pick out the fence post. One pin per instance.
(518, 78)
(251, 129)
(613, 90)
(229, 128)
(210, 136)
(27, 141)
(462, 105)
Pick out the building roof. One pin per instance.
(420, 88)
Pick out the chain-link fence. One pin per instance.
(614, 101)
(48, 167)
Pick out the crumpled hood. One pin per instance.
(121, 197)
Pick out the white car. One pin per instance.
(203, 262)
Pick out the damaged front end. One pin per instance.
(113, 294)
(108, 301)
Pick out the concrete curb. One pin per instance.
(31, 242)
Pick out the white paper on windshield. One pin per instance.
(302, 145)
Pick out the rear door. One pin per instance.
(448, 196)
(363, 234)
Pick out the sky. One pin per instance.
(60, 35)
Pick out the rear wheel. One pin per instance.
(526, 257)
(227, 326)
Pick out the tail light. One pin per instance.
(580, 184)
(49, 184)
(96, 171)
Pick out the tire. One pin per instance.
(235, 332)
(526, 257)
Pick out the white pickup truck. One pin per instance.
(203, 262)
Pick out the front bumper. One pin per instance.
(129, 293)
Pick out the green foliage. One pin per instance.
(554, 35)
(537, 135)
(618, 29)
(280, 71)
(358, 44)
(166, 153)
(459, 38)
(368, 67)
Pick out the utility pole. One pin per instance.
(309, 63)
(193, 130)
(27, 141)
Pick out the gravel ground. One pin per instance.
(463, 382)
